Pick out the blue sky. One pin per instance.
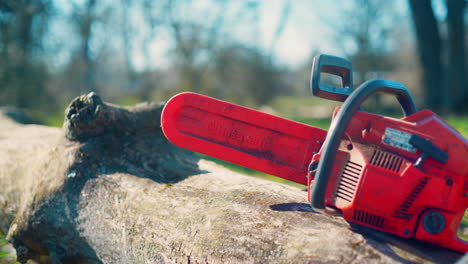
(308, 29)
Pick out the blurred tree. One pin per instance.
(301, 78)
(128, 35)
(405, 58)
(285, 11)
(363, 34)
(246, 75)
(153, 15)
(445, 89)
(23, 25)
(429, 48)
(194, 39)
(204, 46)
(457, 80)
(197, 33)
(84, 17)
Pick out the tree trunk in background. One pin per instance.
(85, 23)
(22, 76)
(456, 79)
(429, 47)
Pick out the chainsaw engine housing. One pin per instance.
(378, 180)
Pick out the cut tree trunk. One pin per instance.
(109, 188)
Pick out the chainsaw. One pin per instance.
(407, 177)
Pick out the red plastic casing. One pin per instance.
(377, 185)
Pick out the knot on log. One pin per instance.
(87, 116)
(117, 139)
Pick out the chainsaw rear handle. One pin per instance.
(336, 66)
(340, 124)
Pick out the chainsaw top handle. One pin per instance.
(335, 66)
(340, 124)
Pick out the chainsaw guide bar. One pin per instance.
(240, 135)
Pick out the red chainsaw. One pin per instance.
(407, 177)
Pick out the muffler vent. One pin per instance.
(368, 218)
(349, 181)
(386, 160)
(402, 211)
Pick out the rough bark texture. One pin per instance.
(109, 188)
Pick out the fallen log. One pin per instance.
(109, 188)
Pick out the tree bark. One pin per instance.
(109, 188)
(429, 47)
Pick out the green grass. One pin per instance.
(55, 119)
(4, 255)
(460, 123)
(463, 224)
(3, 241)
(286, 103)
(247, 171)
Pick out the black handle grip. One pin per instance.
(428, 149)
(336, 66)
(340, 124)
